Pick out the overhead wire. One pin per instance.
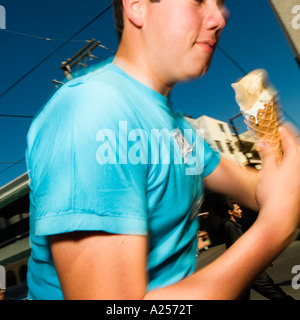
(53, 52)
(233, 61)
(15, 116)
(51, 39)
(9, 162)
(13, 164)
(29, 35)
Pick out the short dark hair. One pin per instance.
(118, 16)
(229, 206)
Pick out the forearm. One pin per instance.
(232, 273)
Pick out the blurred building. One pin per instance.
(14, 232)
(218, 135)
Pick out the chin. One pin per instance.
(200, 70)
(196, 74)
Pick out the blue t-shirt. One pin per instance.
(108, 153)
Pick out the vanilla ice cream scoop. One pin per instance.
(252, 92)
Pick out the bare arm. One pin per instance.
(98, 265)
(102, 266)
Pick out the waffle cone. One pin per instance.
(266, 126)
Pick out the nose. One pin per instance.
(216, 18)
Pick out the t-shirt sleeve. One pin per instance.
(77, 182)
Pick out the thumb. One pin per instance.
(266, 154)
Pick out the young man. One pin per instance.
(233, 230)
(115, 174)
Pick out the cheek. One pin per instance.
(183, 27)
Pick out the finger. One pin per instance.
(266, 154)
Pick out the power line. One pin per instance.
(231, 59)
(12, 165)
(29, 35)
(53, 52)
(15, 116)
(51, 39)
(11, 162)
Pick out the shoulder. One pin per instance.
(93, 90)
(229, 224)
(94, 98)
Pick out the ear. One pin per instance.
(133, 10)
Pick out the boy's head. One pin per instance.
(171, 40)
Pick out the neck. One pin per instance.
(232, 218)
(133, 62)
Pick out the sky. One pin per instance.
(252, 39)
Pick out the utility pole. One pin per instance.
(242, 147)
(77, 58)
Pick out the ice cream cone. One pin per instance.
(259, 104)
(266, 126)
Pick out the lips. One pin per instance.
(208, 43)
